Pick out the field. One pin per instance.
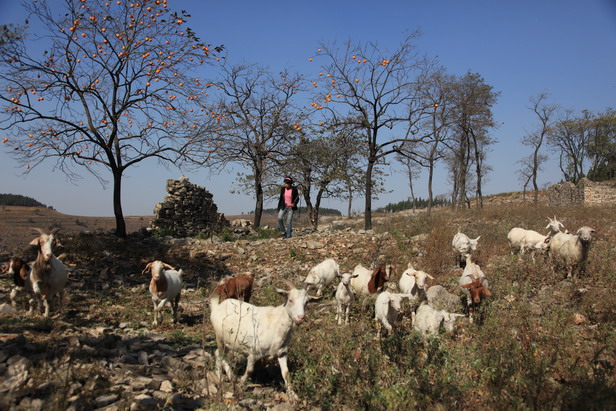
(543, 342)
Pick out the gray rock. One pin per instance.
(106, 399)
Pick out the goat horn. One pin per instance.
(289, 284)
(55, 230)
(39, 230)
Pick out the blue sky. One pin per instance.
(564, 47)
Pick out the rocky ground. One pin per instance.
(102, 351)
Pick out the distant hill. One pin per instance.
(19, 200)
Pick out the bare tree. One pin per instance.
(376, 85)
(570, 137)
(114, 86)
(545, 113)
(437, 91)
(259, 122)
(412, 169)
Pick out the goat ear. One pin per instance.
(355, 276)
(147, 268)
(168, 267)
(282, 292)
(35, 241)
(487, 291)
(429, 276)
(469, 285)
(312, 298)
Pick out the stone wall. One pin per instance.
(188, 210)
(586, 192)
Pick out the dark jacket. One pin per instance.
(294, 197)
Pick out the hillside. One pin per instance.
(16, 221)
(541, 341)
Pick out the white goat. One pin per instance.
(370, 281)
(462, 245)
(413, 283)
(322, 275)
(48, 275)
(387, 310)
(521, 240)
(428, 321)
(258, 332)
(344, 297)
(570, 250)
(165, 286)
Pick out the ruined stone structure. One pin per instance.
(188, 210)
(584, 193)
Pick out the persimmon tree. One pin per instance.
(259, 123)
(376, 86)
(104, 86)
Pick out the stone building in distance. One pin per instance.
(584, 193)
(188, 210)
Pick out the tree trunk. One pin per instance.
(430, 177)
(412, 193)
(534, 175)
(258, 204)
(315, 211)
(350, 206)
(117, 204)
(258, 170)
(368, 208)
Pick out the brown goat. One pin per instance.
(476, 290)
(380, 275)
(238, 287)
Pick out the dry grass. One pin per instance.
(543, 342)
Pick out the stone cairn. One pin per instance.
(188, 210)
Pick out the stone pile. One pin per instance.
(188, 210)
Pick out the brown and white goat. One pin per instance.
(165, 286)
(238, 287)
(48, 274)
(370, 281)
(475, 284)
(20, 271)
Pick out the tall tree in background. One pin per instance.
(473, 100)
(570, 137)
(376, 86)
(412, 169)
(114, 86)
(259, 123)
(602, 147)
(436, 91)
(545, 113)
(323, 166)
